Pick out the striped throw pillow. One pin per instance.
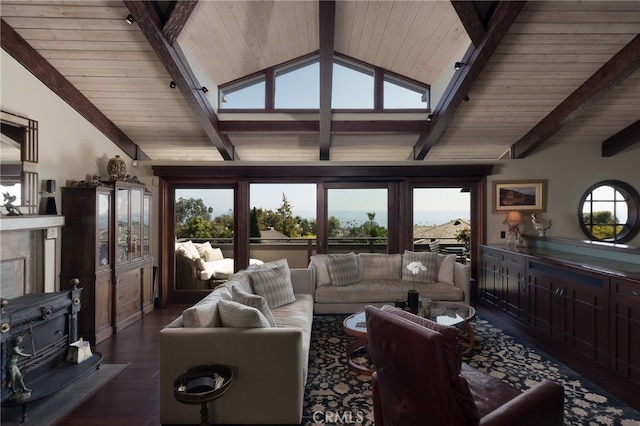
(274, 285)
(343, 269)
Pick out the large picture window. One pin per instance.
(357, 220)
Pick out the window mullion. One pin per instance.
(269, 88)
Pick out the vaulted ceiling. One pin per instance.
(536, 73)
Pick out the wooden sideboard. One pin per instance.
(588, 307)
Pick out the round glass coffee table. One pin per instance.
(355, 326)
(456, 314)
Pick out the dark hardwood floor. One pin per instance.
(131, 397)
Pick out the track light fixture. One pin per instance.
(431, 117)
(203, 88)
(130, 19)
(458, 65)
(172, 84)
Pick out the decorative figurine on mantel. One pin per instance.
(8, 204)
(13, 380)
(541, 227)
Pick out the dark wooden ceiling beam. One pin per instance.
(471, 20)
(619, 67)
(177, 66)
(505, 14)
(179, 16)
(29, 58)
(622, 140)
(326, 27)
(345, 126)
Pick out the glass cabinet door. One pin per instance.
(104, 230)
(146, 224)
(123, 232)
(135, 242)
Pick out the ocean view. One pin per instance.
(421, 218)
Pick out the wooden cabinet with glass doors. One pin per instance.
(105, 243)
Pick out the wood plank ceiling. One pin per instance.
(540, 72)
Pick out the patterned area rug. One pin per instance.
(334, 395)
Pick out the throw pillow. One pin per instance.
(343, 269)
(274, 285)
(199, 264)
(445, 268)
(191, 249)
(237, 315)
(253, 300)
(320, 262)
(205, 312)
(423, 265)
(208, 253)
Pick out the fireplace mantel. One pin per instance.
(29, 223)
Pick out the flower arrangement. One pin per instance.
(416, 267)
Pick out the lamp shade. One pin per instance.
(513, 217)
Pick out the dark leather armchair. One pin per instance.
(420, 380)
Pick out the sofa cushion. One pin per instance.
(190, 249)
(205, 312)
(200, 264)
(237, 315)
(208, 253)
(377, 266)
(343, 269)
(385, 291)
(320, 262)
(445, 268)
(253, 300)
(274, 285)
(424, 266)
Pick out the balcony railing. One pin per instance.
(298, 251)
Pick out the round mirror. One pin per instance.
(610, 212)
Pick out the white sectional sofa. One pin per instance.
(269, 362)
(346, 283)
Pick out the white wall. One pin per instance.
(570, 169)
(70, 147)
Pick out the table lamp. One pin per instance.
(513, 220)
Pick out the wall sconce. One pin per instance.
(513, 221)
(172, 84)
(203, 89)
(431, 117)
(130, 19)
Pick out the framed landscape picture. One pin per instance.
(519, 195)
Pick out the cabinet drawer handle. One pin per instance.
(635, 293)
